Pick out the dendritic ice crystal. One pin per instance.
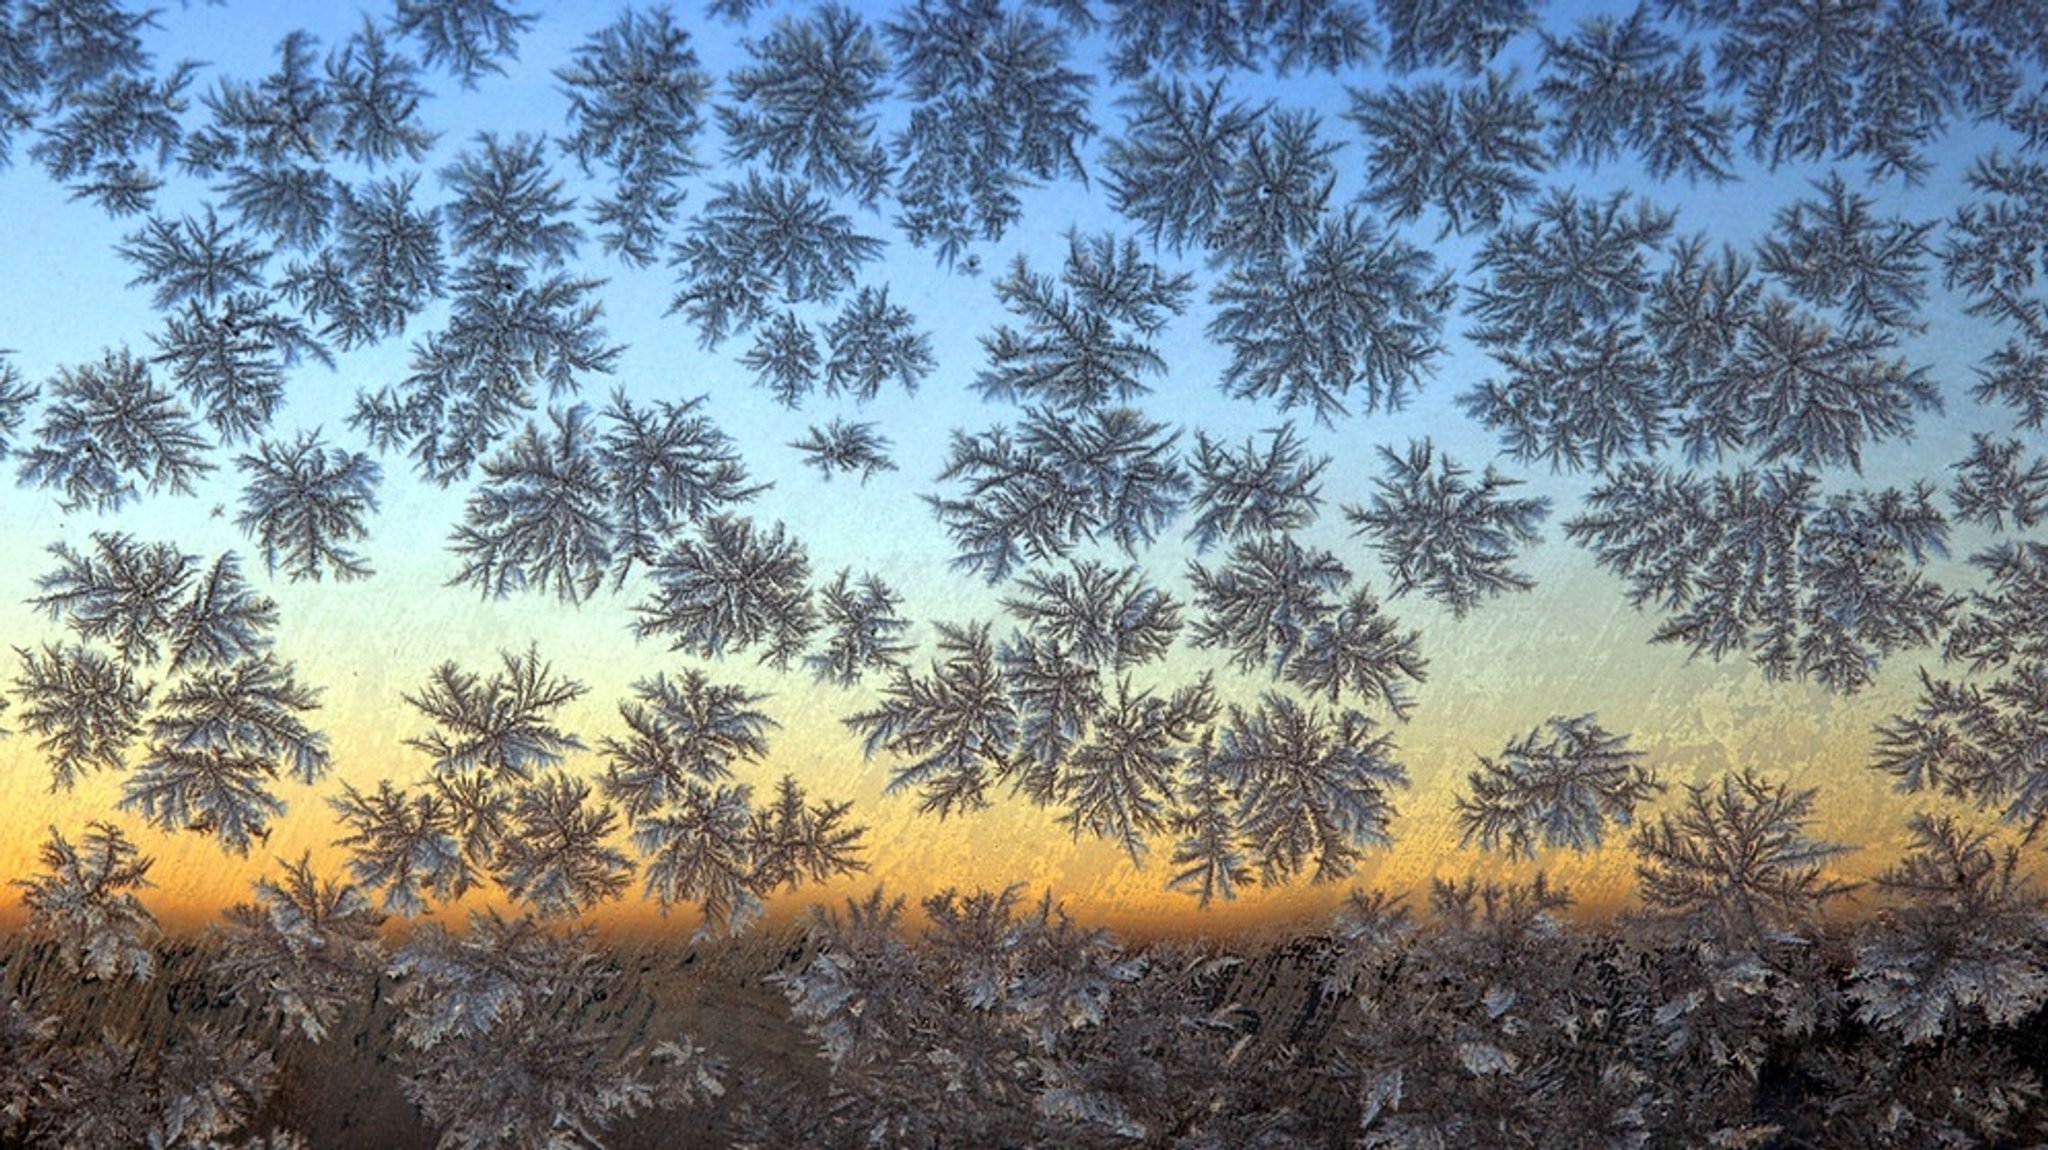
(1507, 542)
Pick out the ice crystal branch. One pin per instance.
(731, 588)
(1452, 539)
(110, 434)
(85, 902)
(1555, 790)
(635, 88)
(468, 38)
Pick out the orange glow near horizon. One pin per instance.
(1692, 720)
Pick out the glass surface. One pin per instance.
(1504, 287)
(1498, 546)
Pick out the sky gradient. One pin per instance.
(1569, 646)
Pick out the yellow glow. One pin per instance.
(1492, 676)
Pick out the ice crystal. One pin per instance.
(109, 434)
(1275, 488)
(1264, 600)
(1470, 152)
(1959, 944)
(304, 503)
(1169, 169)
(681, 732)
(1559, 789)
(761, 242)
(872, 342)
(1312, 786)
(731, 588)
(84, 901)
(1735, 859)
(1086, 339)
(865, 630)
(1442, 534)
(1353, 312)
(803, 103)
(1035, 496)
(87, 707)
(847, 447)
(499, 726)
(554, 857)
(466, 37)
(634, 88)
(541, 519)
(955, 724)
(1102, 616)
(305, 948)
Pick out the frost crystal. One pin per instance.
(304, 502)
(84, 901)
(634, 90)
(1556, 791)
(803, 104)
(306, 948)
(847, 447)
(109, 433)
(865, 630)
(1443, 535)
(1470, 152)
(1353, 311)
(731, 588)
(955, 724)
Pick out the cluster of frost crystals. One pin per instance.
(1709, 399)
(590, 499)
(498, 1052)
(230, 717)
(1760, 563)
(307, 948)
(1108, 473)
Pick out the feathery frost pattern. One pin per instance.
(919, 409)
